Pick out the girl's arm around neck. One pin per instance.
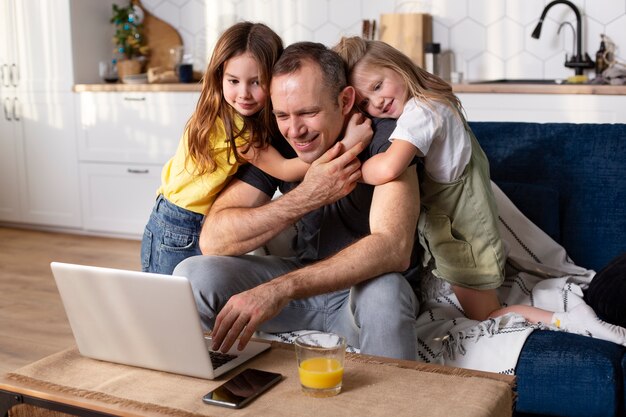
(388, 165)
(272, 162)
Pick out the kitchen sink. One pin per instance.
(521, 81)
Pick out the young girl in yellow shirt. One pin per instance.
(231, 125)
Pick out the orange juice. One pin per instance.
(320, 373)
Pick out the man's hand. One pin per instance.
(243, 313)
(333, 175)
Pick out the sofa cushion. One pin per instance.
(584, 162)
(565, 374)
(539, 203)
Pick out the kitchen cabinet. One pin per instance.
(544, 108)
(124, 140)
(38, 160)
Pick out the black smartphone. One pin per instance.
(242, 388)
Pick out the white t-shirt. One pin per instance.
(440, 135)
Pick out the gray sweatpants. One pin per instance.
(378, 316)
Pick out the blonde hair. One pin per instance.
(422, 85)
(265, 46)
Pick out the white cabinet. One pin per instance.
(124, 140)
(10, 155)
(544, 108)
(38, 159)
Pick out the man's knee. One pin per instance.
(389, 294)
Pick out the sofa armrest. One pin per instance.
(564, 374)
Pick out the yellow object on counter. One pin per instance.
(577, 79)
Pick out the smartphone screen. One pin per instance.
(242, 388)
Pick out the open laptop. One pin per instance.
(141, 319)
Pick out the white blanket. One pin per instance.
(548, 279)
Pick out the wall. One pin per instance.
(486, 39)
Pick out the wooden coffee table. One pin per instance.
(69, 383)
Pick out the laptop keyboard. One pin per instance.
(218, 358)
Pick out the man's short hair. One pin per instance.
(333, 68)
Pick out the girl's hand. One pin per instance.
(359, 130)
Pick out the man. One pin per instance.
(353, 239)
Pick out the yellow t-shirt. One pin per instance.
(196, 193)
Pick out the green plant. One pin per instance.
(129, 31)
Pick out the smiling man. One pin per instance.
(354, 245)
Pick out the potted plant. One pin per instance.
(129, 39)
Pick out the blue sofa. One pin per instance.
(570, 180)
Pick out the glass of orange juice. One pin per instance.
(320, 363)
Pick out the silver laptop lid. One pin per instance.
(134, 318)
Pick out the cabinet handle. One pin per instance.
(137, 171)
(16, 106)
(5, 75)
(7, 114)
(134, 99)
(14, 76)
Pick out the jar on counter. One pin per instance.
(432, 58)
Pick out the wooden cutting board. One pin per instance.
(160, 37)
(407, 32)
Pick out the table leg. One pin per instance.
(9, 399)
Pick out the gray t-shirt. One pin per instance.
(327, 230)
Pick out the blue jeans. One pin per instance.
(171, 235)
(378, 316)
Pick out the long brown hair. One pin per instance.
(265, 46)
(422, 85)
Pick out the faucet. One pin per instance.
(578, 62)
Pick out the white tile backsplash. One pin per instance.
(484, 38)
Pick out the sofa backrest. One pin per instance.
(579, 174)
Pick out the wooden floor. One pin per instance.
(32, 321)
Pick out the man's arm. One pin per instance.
(242, 219)
(393, 221)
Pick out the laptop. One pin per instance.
(141, 319)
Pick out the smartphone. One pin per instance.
(242, 388)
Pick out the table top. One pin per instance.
(372, 386)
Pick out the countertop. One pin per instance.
(458, 88)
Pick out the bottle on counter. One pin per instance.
(601, 62)
(432, 58)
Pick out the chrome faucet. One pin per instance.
(578, 62)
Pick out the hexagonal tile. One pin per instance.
(344, 13)
(485, 66)
(505, 38)
(593, 30)
(413, 7)
(523, 65)
(327, 34)
(296, 33)
(605, 11)
(524, 12)
(441, 35)
(311, 14)
(373, 9)
(616, 30)
(168, 13)
(150, 4)
(450, 12)
(554, 67)
(194, 15)
(486, 12)
(468, 39)
(549, 43)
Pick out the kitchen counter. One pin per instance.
(120, 87)
(458, 88)
(496, 88)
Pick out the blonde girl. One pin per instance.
(458, 224)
